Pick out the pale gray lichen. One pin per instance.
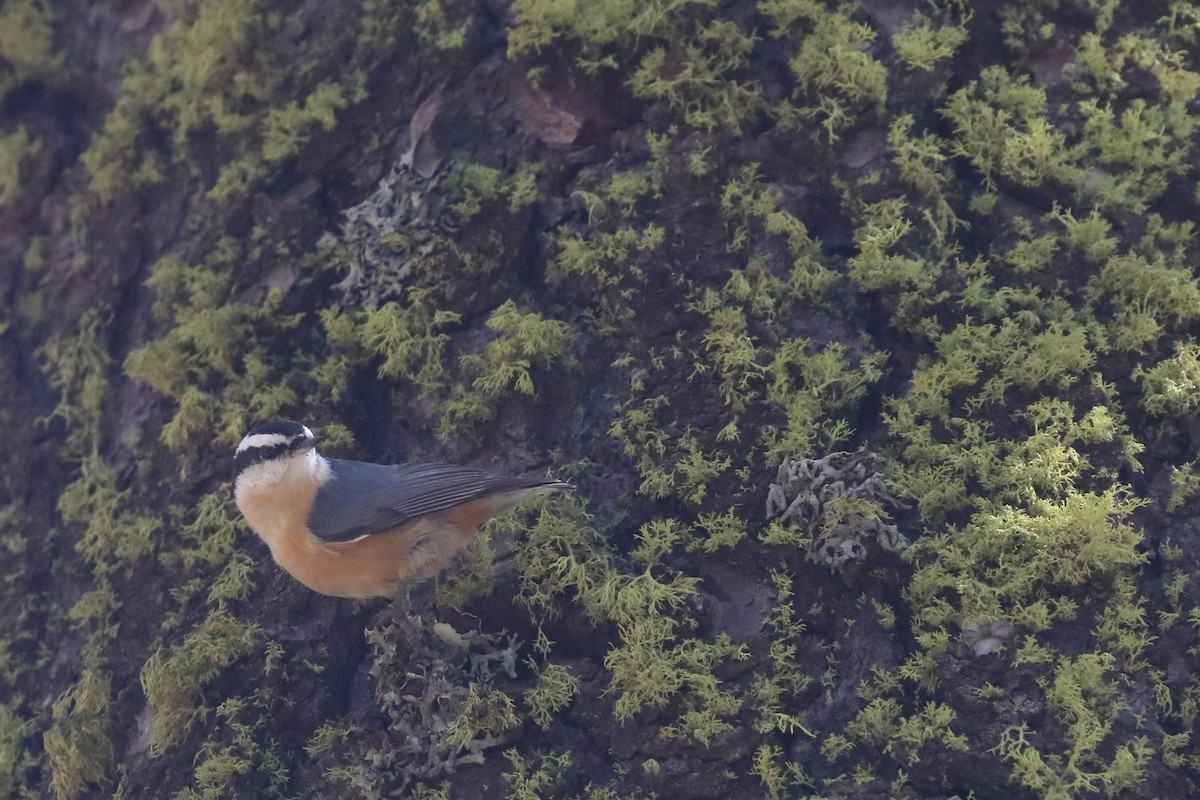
(433, 684)
(839, 501)
(397, 229)
(985, 637)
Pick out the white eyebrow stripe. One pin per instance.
(262, 440)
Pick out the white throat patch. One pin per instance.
(307, 466)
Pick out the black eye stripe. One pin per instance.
(257, 455)
(285, 427)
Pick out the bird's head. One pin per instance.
(272, 451)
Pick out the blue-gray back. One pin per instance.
(360, 499)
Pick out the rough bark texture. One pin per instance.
(867, 334)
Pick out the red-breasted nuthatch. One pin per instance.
(350, 529)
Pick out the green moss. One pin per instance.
(923, 162)
(174, 678)
(922, 46)
(80, 742)
(1085, 700)
(696, 67)
(556, 687)
(654, 662)
(775, 691)
(443, 24)
(207, 555)
(214, 362)
(286, 128)
(696, 81)
(882, 227)
(667, 465)
(1185, 485)
(26, 43)
(114, 537)
(779, 778)
(16, 759)
(325, 738)
(240, 753)
(882, 722)
(1001, 127)
(486, 714)
(14, 147)
(407, 338)
(1007, 559)
(524, 341)
(540, 23)
(77, 365)
(835, 67)
(529, 781)
(209, 84)
(1171, 387)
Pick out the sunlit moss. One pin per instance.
(174, 677)
(920, 45)
(555, 688)
(214, 341)
(524, 341)
(27, 43)
(14, 147)
(80, 743)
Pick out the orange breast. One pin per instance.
(372, 566)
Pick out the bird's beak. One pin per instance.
(309, 443)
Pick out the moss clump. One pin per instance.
(407, 338)
(655, 661)
(555, 688)
(834, 67)
(1171, 388)
(78, 366)
(530, 781)
(1001, 126)
(700, 80)
(26, 44)
(1012, 564)
(14, 147)
(882, 722)
(524, 341)
(677, 52)
(1087, 701)
(214, 361)
(240, 752)
(922, 46)
(206, 79)
(79, 743)
(174, 677)
(16, 759)
(208, 553)
(113, 537)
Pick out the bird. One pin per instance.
(361, 530)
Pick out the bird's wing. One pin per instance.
(360, 499)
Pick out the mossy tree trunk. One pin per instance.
(866, 332)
